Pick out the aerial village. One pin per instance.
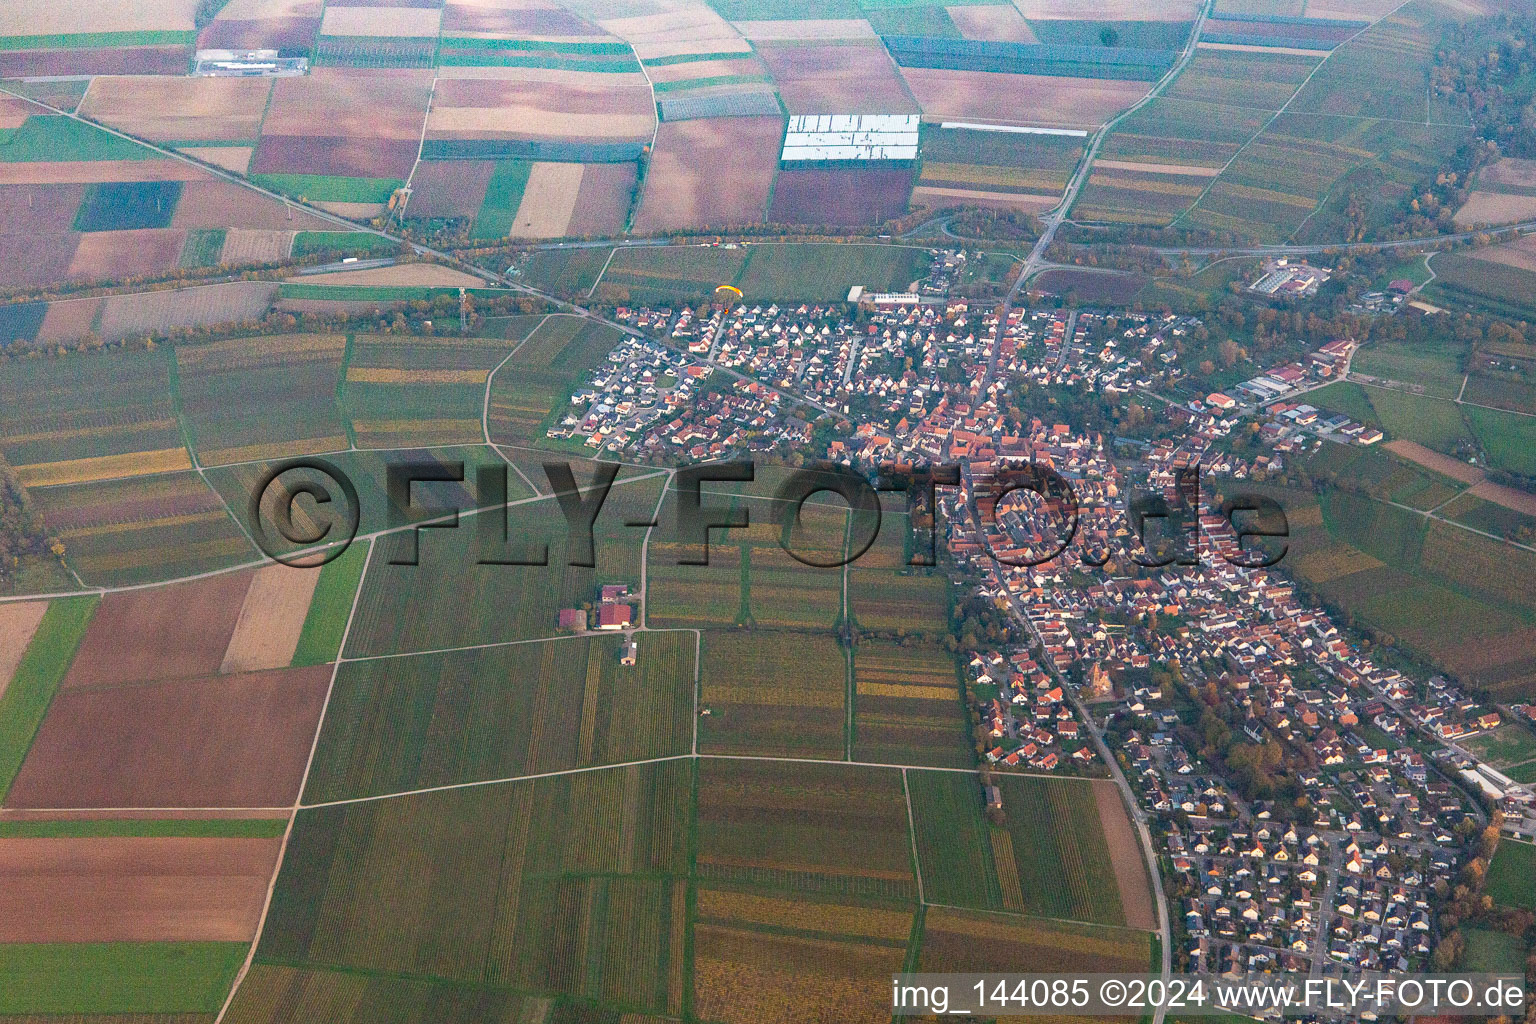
(1119, 666)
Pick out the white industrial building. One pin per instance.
(859, 137)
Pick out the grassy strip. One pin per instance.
(97, 40)
(44, 138)
(117, 977)
(320, 640)
(704, 83)
(308, 242)
(36, 680)
(328, 188)
(180, 828)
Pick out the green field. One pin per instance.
(954, 844)
(37, 678)
(213, 828)
(327, 188)
(1512, 875)
(97, 40)
(1059, 849)
(502, 197)
(117, 977)
(1493, 952)
(400, 724)
(50, 137)
(1508, 438)
(1465, 282)
(202, 248)
(807, 272)
(907, 706)
(564, 271)
(793, 703)
(1434, 367)
(329, 608)
(1509, 744)
(564, 884)
(306, 243)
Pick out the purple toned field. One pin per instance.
(838, 196)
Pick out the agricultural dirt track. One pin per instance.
(17, 624)
(1125, 855)
(162, 633)
(1442, 464)
(271, 619)
(133, 889)
(219, 741)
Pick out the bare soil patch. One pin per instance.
(1125, 854)
(496, 19)
(165, 109)
(140, 889)
(810, 28)
(1433, 460)
(1110, 10)
(75, 172)
(217, 204)
(1510, 170)
(853, 78)
(17, 624)
(222, 741)
(1492, 208)
(350, 103)
(68, 320)
(607, 191)
(838, 196)
(549, 199)
(39, 209)
(255, 246)
(271, 619)
(1294, 51)
(1019, 99)
(242, 10)
(162, 633)
(685, 28)
(449, 188)
(1520, 253)
(112, 60)
(401, 22)
(501, 108)
(711, 172)
(28, 260)
(1508, 497)
(231, 158)
(112, 255)
(347, 157)
(293, 34)
(991, 21)
(41, 19)
(938, 197)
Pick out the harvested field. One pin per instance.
(1019, 99)
(355, 211)
(244, 10)
(602, 206)
(497, 19)
(164, 109)
(66, 172)
(399, 275)
(114, 255)
(1126, 856)
(115, 60)
(17, 624)
(158, 311)
(807, 29)
(349, 103)
(1508, 497)
(225, 741)
(346, 157)
(938, 197)
(449, 188)
(1110, 10)
(549, 200)
(1509, 171)
(838, 196)
(255, 246)
(1250, 48)
(595, 109)
(36, 244)
(1520, 253)
(710, 173)
(1442, 464)
(180, 631)
(997, 21)
(729, 66)
(271, 619)
(134, 889)
(1494, 208)
(224, 204)
(380, 22)
(293, 35)
(35, 18)
(68, 320)
(853, 78)
(685, 28)
(1190, 170)
(231, 158)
